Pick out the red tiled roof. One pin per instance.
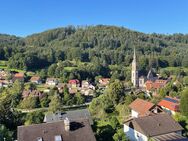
(149, 85)
(155, 85)
(19, 75)
(35, 78)
(170, 103)
(74, 81)
(141, 106)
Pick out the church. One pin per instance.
(139, 82)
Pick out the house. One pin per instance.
(141, 108)
(73, 90)
(34, 93)
(3, 74)
(85, 84)
(51, 81)
(66, 130)
(154, 127)
(104, 81)
(18, 76)
(155, 85)
(87, 92)
(74, 83)
(36, 79)
(87, 88)
(61, 86)
(72, 115)
(4, 83)
(170, 105)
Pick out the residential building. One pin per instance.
(51, 81)
(34, 93)
(104, 81)
(4, 83)
(153, 86)
(158, 126)
(36, 79)
(72, 115)
(141, 107)
(61, 87)
(66, 130)
(170, 105)
(3, 74)
(74, 83)
(18, 76)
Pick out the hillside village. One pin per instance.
(100, 83)
(145, 121)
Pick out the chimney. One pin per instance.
(67, 124)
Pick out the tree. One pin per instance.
(79, 99)
(44, 101)
(116, 91)
(114, 122)
(30, 103)
(5, 133)
(67, 99)
(34, 117)
(184, 103)
(120, 136)
(55, 104)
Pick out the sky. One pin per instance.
(25, 17)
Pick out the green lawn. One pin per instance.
(70, 68)
(41, 87)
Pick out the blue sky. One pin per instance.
(24, 17)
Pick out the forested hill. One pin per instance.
(107, 45)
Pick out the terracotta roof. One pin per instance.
(155, 85)
(35, 78)
(170, 103)
(154, 125)
(74, 81)
(18, 75)
(142, 107)
(80, 130)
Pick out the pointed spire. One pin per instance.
(134, 57)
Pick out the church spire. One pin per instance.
(134, 77)
(134, 57)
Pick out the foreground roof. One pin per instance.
(72, 115)
(170, 137)
(154, 125)
(141, 106)
(80, 130)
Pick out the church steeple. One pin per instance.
(134, 76)
(134, 57)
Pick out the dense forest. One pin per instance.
(97, 46)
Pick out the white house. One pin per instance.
(51, 81)
(152, 127)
